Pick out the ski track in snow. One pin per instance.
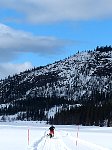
(64, 141)
(46, 143)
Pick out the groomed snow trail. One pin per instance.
(46, 143)
(64, 141)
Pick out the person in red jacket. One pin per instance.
(51, 131)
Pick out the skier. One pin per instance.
(51, 131)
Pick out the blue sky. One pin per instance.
(39, 32)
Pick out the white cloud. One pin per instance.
(11, 69)
(14, 42)
(46, 11)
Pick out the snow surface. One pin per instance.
(14, 136)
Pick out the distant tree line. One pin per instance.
(32, 108)
(104, 48)
(96, 110)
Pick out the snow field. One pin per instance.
(89, 138)
(15, 137)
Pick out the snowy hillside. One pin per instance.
(86, 76)
(70, 78)
(75, 76)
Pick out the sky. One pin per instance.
(39, 32)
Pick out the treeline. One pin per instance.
(104, 48)
(86, 115)
(96, 110)
(32, 108)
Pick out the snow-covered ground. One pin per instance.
(14, 136)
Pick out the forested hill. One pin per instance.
(85, 79)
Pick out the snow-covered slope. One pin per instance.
(76, 78)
